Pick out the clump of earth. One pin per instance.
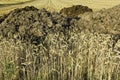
(75, 10)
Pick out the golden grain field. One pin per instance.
(75, 55)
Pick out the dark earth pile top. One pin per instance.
(32, 25)
(75, 10)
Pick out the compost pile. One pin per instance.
(75, 10)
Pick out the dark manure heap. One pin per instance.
(75, 10)
(36, 44)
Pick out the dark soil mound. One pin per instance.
(75, 10)
(32, 25)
